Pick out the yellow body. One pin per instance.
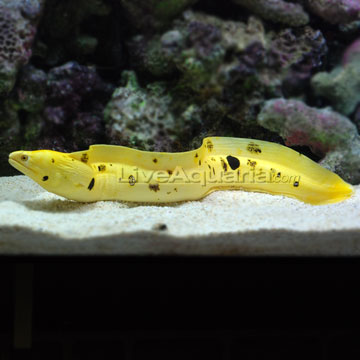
(106, 172)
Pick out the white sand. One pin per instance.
(33, 221)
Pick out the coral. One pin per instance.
(278, 11)
(336, 11)
(153, 14)
(328, 134)
(341, 87)
(18, 21)
(147, 118)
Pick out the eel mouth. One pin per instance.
(17, 163)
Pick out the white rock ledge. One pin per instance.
(35, 222)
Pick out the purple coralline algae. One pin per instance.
(336, 11)
(328, 134)
(278, 11)
(293, 56)
(18, 23)
(63, 108)
(341, 86)
(76, 97)
(352, 53)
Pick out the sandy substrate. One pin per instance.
(33, 221)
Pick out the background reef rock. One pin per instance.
(278, 11)
(162, 74)
(18, 21)
(330, 135)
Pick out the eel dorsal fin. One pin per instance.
(144, 159)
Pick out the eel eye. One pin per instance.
(24, 157)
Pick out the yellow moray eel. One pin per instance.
(106, 172)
